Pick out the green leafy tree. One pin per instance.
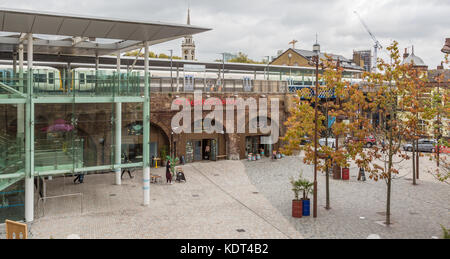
(243, 58)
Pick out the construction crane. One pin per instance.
(377, 43)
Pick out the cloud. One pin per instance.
(261, 27)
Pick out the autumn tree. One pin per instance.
(412, 104)
(301, 128)
(385, 90)
(439, 109)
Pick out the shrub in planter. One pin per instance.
(163, 152)
(296, 203)
(307, 188)
(173, 163)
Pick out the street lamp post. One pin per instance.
(316, 126)
(171, 66)
(316, 99)
(290, 64)
(268, 61)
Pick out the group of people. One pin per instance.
(179, 174)
(80, 177)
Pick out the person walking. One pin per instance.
(361, 175)
(168, 173)
(126, 160)
(79, 178)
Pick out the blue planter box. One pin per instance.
(306, 207)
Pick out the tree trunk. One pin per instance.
(417, 159)
(388, 202)
(414, 162)
(327, 187)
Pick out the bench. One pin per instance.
(155, 178)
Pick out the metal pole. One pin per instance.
(223, 71)
(316, 95)
(118, 128)
(97, 63)
(146, 139)
(20, 107)
(29, 138)
(171, 65)
(178, 75)
(14, 64)
(438, 148)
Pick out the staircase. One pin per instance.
(11, 161)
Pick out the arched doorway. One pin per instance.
(132, 142)
(254, 141)
(205, 146)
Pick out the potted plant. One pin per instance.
(307, 188)
(346, 170)
(296, 203)
(163, 153)
(173, 163)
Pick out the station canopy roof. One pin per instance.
(63, 34)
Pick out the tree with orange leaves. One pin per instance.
(386, 88)
(347, 107)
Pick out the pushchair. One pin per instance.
(180, 175)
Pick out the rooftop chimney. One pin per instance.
(406, 53)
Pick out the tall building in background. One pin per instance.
(363, 58)
(188, 45)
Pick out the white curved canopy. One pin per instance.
(83, 32)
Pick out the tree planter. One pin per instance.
(306, 207)
(297, 208)
(345, 174)
(336, 172)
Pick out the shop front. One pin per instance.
(254, 146)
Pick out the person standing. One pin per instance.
(168, 173)
(207, 151)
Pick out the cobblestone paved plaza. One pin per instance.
(417, 211)
(241, 199)
(216, 202)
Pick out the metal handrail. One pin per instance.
(59, 196)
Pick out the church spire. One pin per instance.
(188, 45)
(189, 17)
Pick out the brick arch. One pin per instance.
(157, 121)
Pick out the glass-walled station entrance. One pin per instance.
(61, 120)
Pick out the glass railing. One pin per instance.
(58, 154)
(12, 154)
(78, 82)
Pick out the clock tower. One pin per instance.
(188, 45)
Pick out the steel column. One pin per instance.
(118, 128)
(20, 107)
(29, 138)
(146, 139)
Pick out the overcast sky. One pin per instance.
(262, 27)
